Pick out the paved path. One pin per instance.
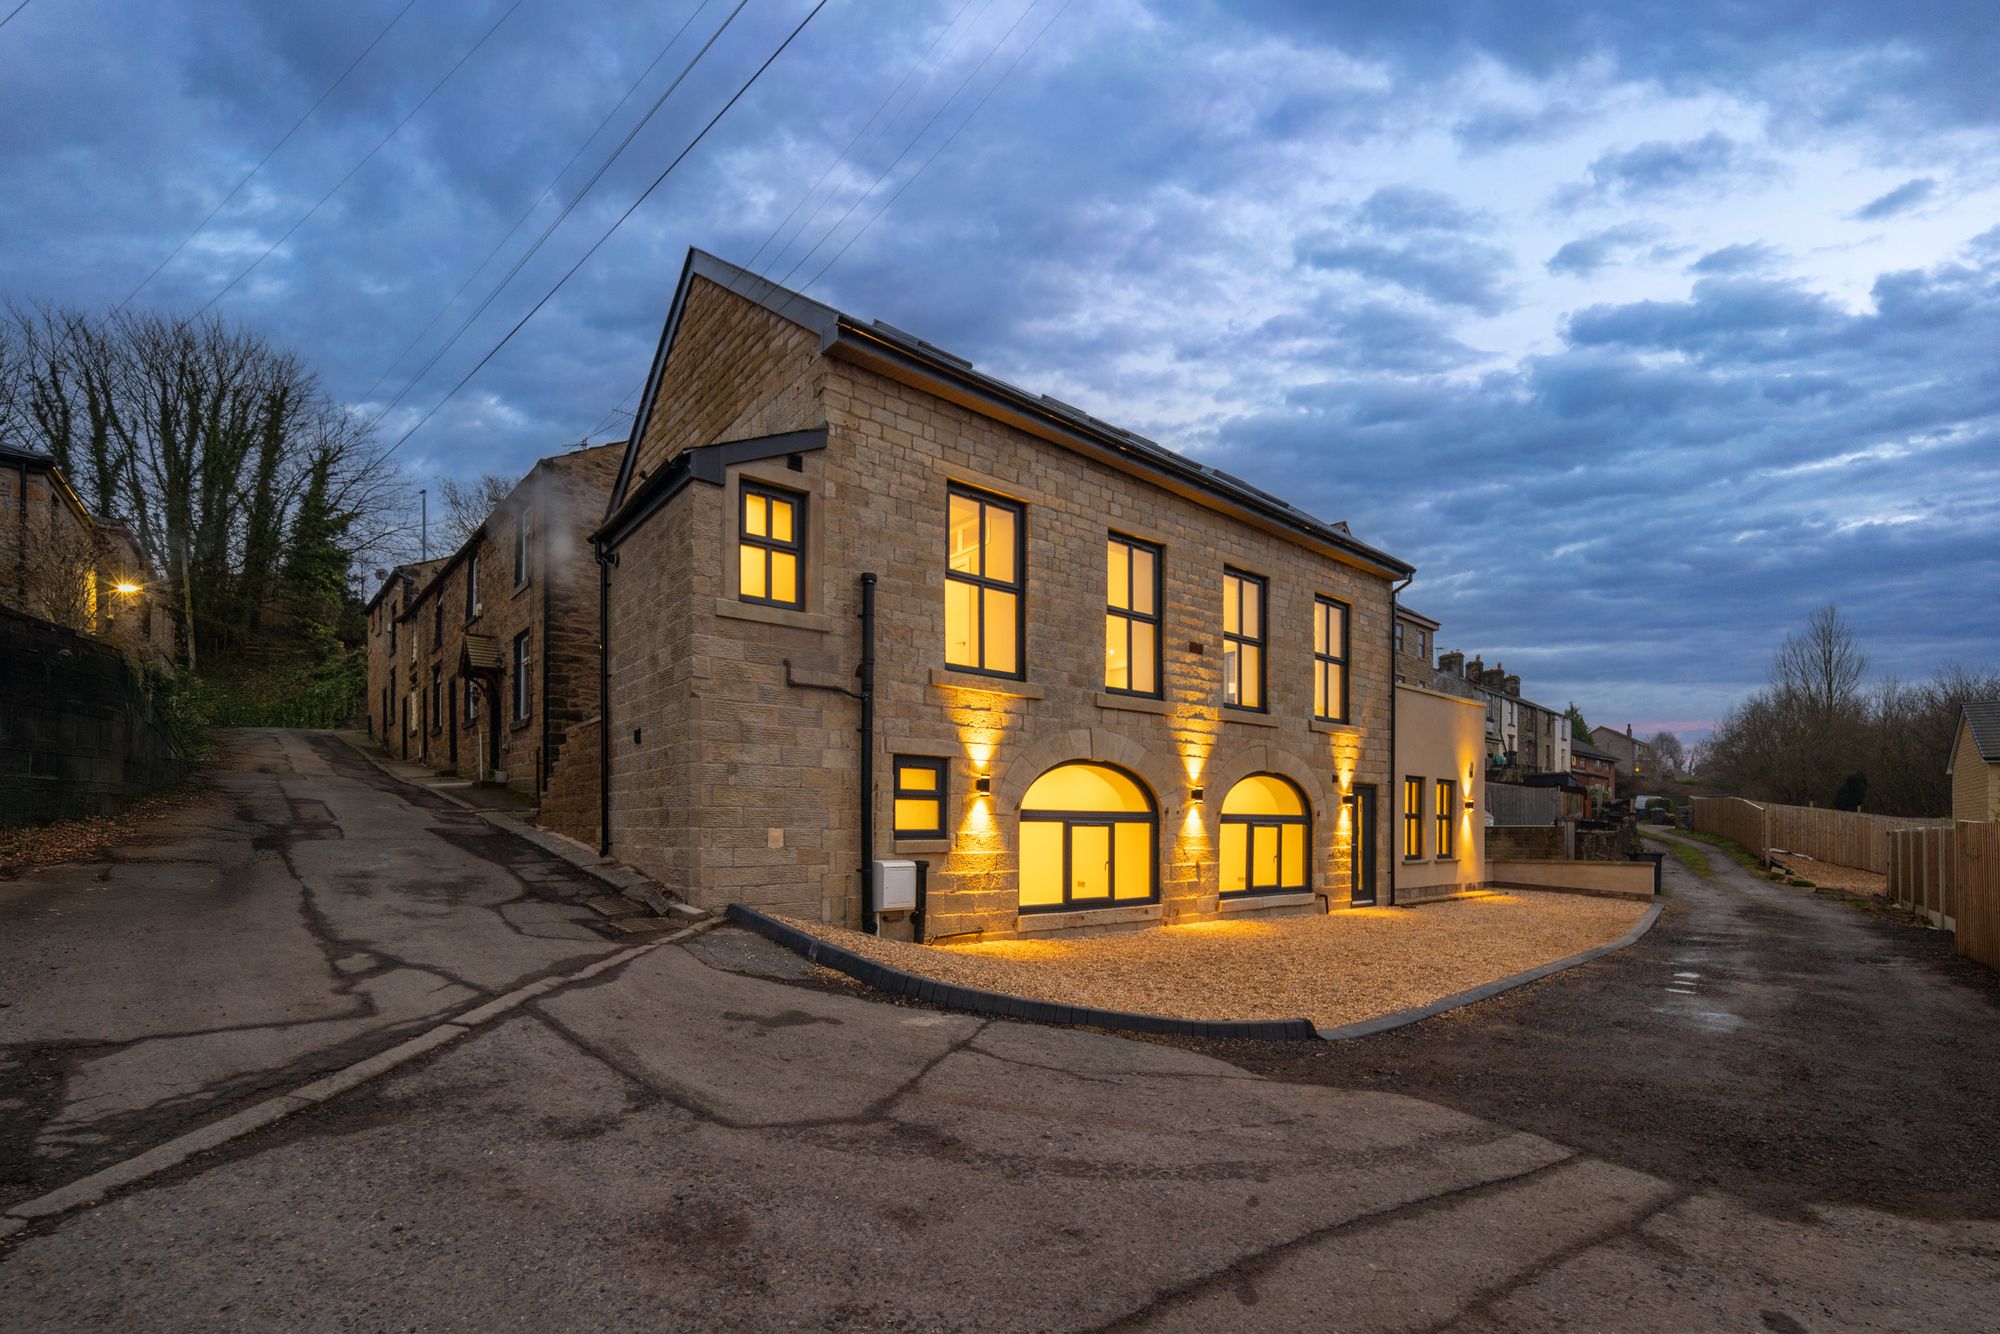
(704, 1138)
(307, 914)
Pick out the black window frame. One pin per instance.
(1261, 641)
(471, 587)
(1447, 819)
(796, 548)
(471, 692)
(1322, 661)
(1070, 821)
(1126, 614)
(437, 698)
(523, 669)
(1019, 587)
(1413, 817)
(1251, 889)
(437, 622)
(898, 793)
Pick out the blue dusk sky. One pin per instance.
(1640, 329)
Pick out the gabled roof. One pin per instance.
(1983, 717)
(903, 356)
(1591, 753)
(1404, 613)
(409, 570)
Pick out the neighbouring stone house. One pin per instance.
(389, 690)
(495, 648)
(1594, 768)
(1974, 767)
(1522, 737)
(1634, 758)
(1416, 634)
(867, 603)
(62, 564)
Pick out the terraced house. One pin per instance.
(868, 606)
(489, 657)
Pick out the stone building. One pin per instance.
(60, 563)
(389, 690)
(1522, 737)
(865, 603)
(494, 649)
(1635, 758)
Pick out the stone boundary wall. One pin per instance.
(77, 735)
(1615, 879)
(1517, 842)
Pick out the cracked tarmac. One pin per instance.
(703, 1138)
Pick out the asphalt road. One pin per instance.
(706, 1138)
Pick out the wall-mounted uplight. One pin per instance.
(983, 785)
(1197, 793)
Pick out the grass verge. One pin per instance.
(1736, 851)
(1688, 855)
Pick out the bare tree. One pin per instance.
(1668, 751)
(466, 505)
(1824, 667)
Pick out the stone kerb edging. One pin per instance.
(899, 983)
(1383, 1023)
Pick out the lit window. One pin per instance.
(985, 607)
(1132, 617)
(1242, 640)
(1447, 818)
(1089, 838)
(1330, 660)
(770, 554)
(919, 797)
(1413, 818)
(522, 668)
(1265, 831)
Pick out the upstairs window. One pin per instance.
(1132, 617)
(437, 621)
(1330, 660)
(919, 797)
(770, 551)
(1242, 640)
(472, 586)
(985, 603)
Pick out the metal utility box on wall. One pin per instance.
(895, 886)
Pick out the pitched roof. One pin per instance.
(891, 351)
(1983, 717)
(1404, 613)
(1590, 753)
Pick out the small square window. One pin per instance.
(920, 794)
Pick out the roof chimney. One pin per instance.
(1475, 670)
(1452, 663)
(1511, 683)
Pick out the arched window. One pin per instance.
(1265, 837)
(1089, 839)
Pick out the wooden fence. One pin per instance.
(1953, 877)
(1515, 804)
(1845, 838)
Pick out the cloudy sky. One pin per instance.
(1641, 329)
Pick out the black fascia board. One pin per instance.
(703, 463)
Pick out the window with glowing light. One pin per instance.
(1447, 819)
(1266, 837)
(1329, 660)
(1090, 838)
(919, 797)
(1413, 818)
(1131, 617)
(985, 601)
(1242, 640)
(770, 552)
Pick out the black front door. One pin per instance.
(1361, 829)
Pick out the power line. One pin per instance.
(558, 220)
(547, 190)
(10, 13)
(942, 107)
(368, 156)
(848, 151)
(612, 230)
(238, 187)
(984, 97)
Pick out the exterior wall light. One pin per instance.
(983, 785)
(125, 588)
(1197, 793)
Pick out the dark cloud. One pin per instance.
(1902, 199)
(1661, 168)
(1422, 241)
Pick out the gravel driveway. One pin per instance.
(1333, 969)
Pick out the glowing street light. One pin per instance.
(125, 588)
